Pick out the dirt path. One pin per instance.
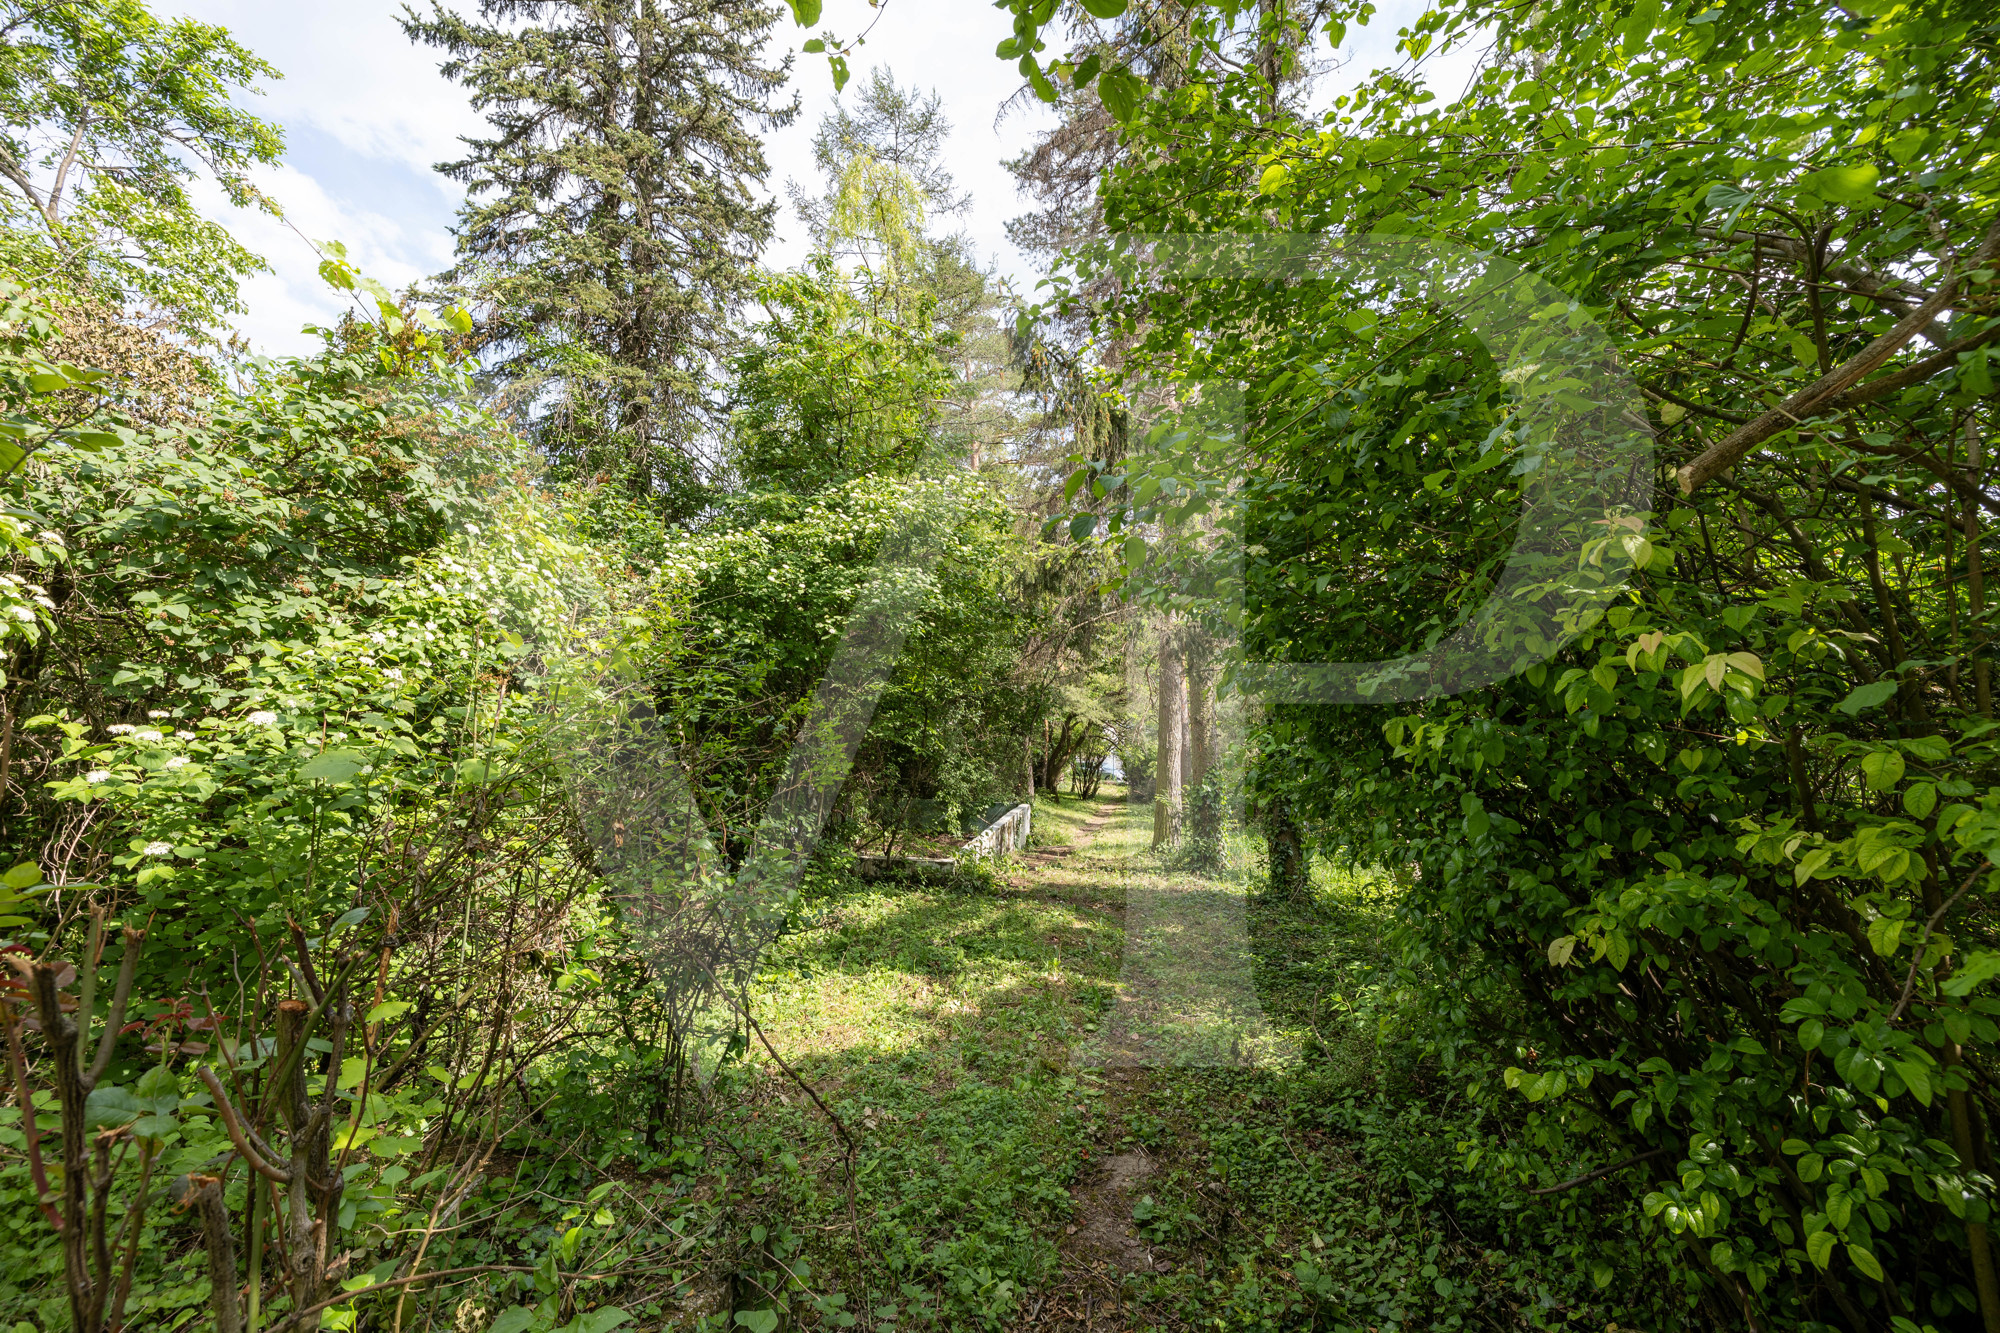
(1100, 1245)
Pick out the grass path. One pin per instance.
(995, 1048)
(1092, 1094)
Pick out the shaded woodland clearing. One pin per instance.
(1006, 1176)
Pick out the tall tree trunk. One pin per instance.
(1269, 56)
(1202, 740)
(1284, 848)
(1172, 726)
(1204, 805)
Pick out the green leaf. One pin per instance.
(758, 1321)
(1811, 1033)
(1819, 1248)
(387, 1010)
(158, 1089)
(805, 13)
(1917, 1078)
(1974, 374)
(1884, 934)
(1843, 185)
(480, 770)
(331, 766)
(514, 1320)
(1617, 950)
(1883, 769)
(1039, 80)
(156, 1126)
(1104, 9)
(1867, 696)
(1975, 969)
(1119, 90)
(1637, 30)
(1748, 663)
(601, 1321)
(1864, 1259)
(1274, 178)
(110, 1106)
(1919, 799)
(1082, 526)
(23, 876)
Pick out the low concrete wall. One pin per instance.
(1008, 833)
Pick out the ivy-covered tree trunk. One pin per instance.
(1284, 848)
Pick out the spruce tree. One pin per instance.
(612, 220)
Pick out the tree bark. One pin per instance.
(1172, 726)
(1202, 740)
(1284, 848)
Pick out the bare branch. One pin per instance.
(1817, 396)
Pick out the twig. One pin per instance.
(292, 1320)
(37, 1172)
(1910, 982)
(839, 1125)
(121, 993)
(245, 1138)
(1589, 1176)
(1817, 396)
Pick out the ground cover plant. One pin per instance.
(434, 781)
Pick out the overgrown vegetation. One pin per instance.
(434, 891)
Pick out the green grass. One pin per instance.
(958, 1029)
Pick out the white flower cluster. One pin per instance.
(98, 775)
(263, 718)
(120, 729)
(158, 848)
(178, 761)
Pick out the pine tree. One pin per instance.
(611, 224)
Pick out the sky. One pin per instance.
(366, 116)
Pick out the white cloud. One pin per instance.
(350, 72)
(368, 115)
(293, 294)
